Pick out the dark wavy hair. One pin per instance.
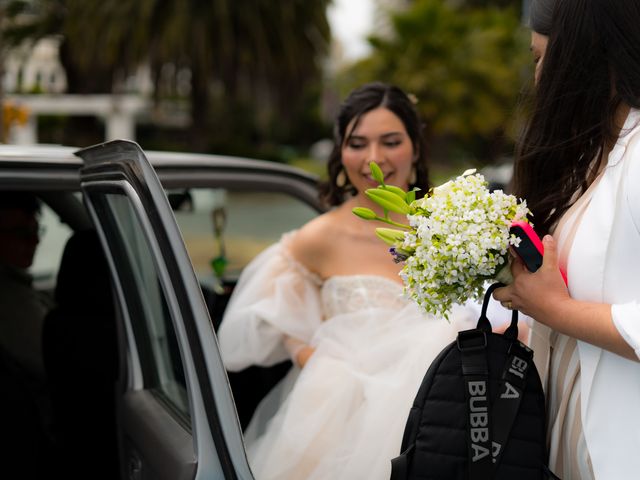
(360, 101)
(590, 68)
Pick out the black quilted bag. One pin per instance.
(479, 413)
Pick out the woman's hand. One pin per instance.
(303, 355)
(541, 294)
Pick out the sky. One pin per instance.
(351, 21)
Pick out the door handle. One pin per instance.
(134, 467)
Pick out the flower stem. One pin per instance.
(395, 224)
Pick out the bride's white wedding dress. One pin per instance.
(343, 415)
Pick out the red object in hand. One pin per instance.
(531, 249)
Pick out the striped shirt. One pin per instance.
(568, 454)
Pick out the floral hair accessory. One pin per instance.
(456, 239)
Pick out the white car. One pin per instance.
(161, 218)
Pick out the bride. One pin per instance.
(329, 297)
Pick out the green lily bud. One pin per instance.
(376, 173)
(390, 235)
(397, 190)
(388, 200)
(365, 213)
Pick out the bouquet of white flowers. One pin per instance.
(457, 237)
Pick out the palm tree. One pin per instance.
(257, 51)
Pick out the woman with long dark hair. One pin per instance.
(329, 297)
(578, 167)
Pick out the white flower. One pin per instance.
(459, 238)
(443, 189)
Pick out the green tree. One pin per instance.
(464, 64)
(517, 4)
(243, 52)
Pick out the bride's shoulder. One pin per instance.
(313, 241)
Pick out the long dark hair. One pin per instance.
(591, 67)
(360, 101)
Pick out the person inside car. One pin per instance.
(22, 309)
(24, 400)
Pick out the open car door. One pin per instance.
(177, 419)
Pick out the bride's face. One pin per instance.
(379, 136)
(538, 49)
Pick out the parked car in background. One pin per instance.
(499, 175)
(177, 230)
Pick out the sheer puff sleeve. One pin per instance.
(276, 298)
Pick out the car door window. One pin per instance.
(156, 342)
(53, 237)
(248, 222)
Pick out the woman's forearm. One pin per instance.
(587, 321)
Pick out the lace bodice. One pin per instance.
(353, 293)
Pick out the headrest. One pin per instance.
(84, 279)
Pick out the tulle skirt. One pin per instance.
(343, 415)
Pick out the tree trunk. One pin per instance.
(2, 129)
(95, 79)
(199, 130)
(2, 126)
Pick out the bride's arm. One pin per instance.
(274, 298)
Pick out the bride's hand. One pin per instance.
(299, 351)
(304, 355)
(536, 294)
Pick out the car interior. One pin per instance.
(72, 427)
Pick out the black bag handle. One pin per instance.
(483, 322)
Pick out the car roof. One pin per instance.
(64, 156)
(38, 154)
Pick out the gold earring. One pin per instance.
(413, 176)
(341, 179)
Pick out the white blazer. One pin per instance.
(604, 266)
